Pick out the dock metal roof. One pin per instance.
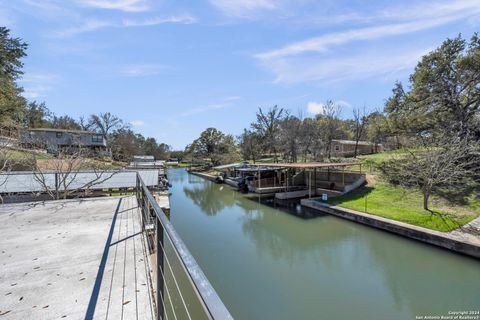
(63, 130)
(308, 165)
(228, 166)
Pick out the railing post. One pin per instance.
(137, 189)
(160, 270)
(57, 187)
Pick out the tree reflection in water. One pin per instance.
(207, 196)
(302, 268)
(276, 235)
(415, 281)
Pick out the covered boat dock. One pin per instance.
(297, 180)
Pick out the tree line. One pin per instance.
(17, 112)
(441, 106)
(435, 119)
(283, 136)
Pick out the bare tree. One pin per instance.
(5, 167)
(71, 172)
(84, 124)
(360, 120)
(447, 164)
(105, 123)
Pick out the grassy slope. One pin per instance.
(21, 155)
(90, 163)
(183, 165)
(406, 205)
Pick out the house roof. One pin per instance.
(309, 165)
(62, 130)
(255, 168)
(227, 166)
(143, 158)
(360, 143)
(232, 165)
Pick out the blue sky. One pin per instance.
(174, 68)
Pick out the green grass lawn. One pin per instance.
(24, 155)
(371, 162)
(382, 156)
(183, 165)
(263, 160)
(407, 206)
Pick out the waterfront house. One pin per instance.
(346, 148)
(55, 140)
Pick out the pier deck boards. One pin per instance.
(73, 259)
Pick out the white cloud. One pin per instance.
(122, 5)
(38, 85)
(243, 8)
(315, 107)
(90, 25)
(182, 19)
(323, 43)
(137, 123)
(314, 59)
(399, 12)
(319, 107)
(142, 70)
(358, 65)
(226, 103)
(428, 10)
(343, 104)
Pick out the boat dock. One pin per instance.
(74, 259)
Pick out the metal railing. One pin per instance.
(182, 290)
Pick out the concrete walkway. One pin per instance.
(469, 232)
(73, 259)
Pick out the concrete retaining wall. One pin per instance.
(291, 194)
(437, 238)
(350, 187)
(204, 175)
(338, 176)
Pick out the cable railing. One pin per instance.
(181, 288)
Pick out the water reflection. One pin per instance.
(280, 239)
(426, 282)
(206, 197)
(291, 206)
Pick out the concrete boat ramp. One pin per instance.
(74, 259)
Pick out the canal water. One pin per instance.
(267, 263)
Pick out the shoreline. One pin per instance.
(455, 240)
(203, 175)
